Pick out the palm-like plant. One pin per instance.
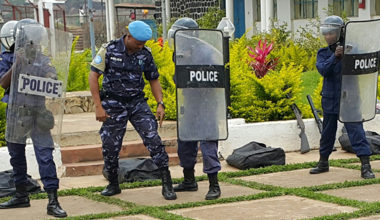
(262, 64)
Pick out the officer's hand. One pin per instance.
(339, 51)
(160, 114)
(101, 115)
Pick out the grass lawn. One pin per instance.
(310, 81)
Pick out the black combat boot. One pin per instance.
(366, 168)
(189, 184)
(19, 200)
(167, 185)
(53, 207)
(322, 166)
(214, 189)
(113, 187)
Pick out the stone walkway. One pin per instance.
(287, 192)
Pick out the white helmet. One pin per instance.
(6, 34)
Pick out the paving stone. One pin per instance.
(301, 178)
(369, 193)
(313, 155)
(82, 181)
(73, 205)
(373, 217)
(133, 217)
(283, 207)
(152, 196)
(374, 164)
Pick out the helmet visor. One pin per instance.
(330, 33)
(7, 42)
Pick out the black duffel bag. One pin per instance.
(8, 188)
(136, 170)
(255, 155)
(373, 139)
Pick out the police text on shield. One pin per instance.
(40, 86)
(367, 63)
(204, 76)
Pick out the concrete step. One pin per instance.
(96, 167)
(82, 129)
(129, 149)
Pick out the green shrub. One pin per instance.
(3, 106)
(78, 71)
(163, 59)
(211, 18)
(292, 53)
(261, 99)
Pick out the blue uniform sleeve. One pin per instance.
(325, 63)
(5, 63)
(151, 71)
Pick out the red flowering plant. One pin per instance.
(262, 63)
(160, 41)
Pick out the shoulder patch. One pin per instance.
(98, 59)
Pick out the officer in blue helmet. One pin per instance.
(329, 65)
(195, 52)
(36, 110)
(123, 62)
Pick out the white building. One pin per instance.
(296, 13)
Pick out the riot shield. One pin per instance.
(201, 85)
(360, 71)
(38, 85)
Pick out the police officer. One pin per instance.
(187, 151)
(122, 63)
(329, 66)
(42, 139)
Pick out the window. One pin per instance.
(304, 9)
(258, 12)
(377, 7)
(275, 9)
(351, 7)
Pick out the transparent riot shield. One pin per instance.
(201, 85)
(38, 85)
(360, 71)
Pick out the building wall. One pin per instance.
(186, 8)
(285, 13)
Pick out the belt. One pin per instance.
(104, 95)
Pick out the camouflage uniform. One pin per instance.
(124, 100)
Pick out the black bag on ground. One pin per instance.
(8, 188)
(373, 139)
(255, 155)
(136, 170)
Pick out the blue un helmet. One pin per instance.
(6, 34)
(182, 23)
(332, 28)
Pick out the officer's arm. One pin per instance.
(325, 64)
(151, 74)
(98, 66)
(5, 80)
(5, 73)
(94, 88)
(156, 89)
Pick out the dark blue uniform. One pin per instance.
(43, 153)
(330, 68)
(123, 84)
